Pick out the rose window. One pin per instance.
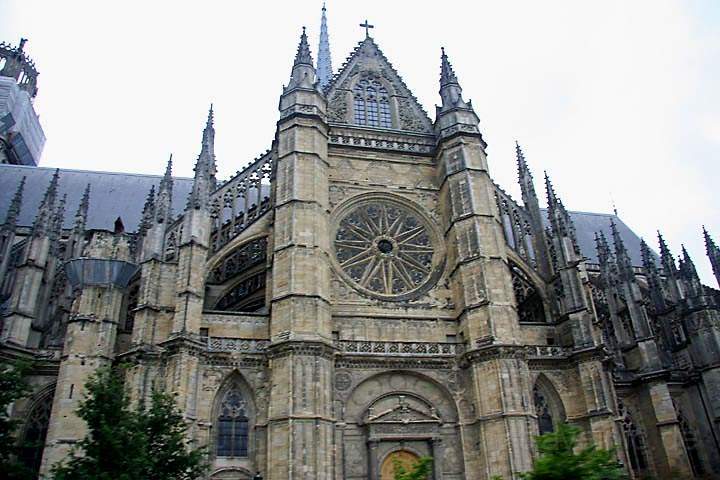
(386, 249)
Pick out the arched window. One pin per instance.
(232, 425)
(35, 432)
(690, 441)
(542, 409)
(635, 442)
(371, 104)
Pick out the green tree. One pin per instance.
(12, 387)
(420, 470)
(127, 444)
(558, 460)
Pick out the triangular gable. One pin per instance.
(367, 59)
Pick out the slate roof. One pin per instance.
(123, 195)
(112, 194)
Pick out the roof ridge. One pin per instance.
(103, 172)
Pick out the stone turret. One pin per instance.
(101, 276)
(477, 259)
(21, 136)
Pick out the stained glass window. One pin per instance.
(232, 425)
(371, 104)
(35, 433)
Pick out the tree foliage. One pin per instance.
(12, 387)
(129, 444)
(558, 460)
(420, 470)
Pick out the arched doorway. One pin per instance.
(403, 457)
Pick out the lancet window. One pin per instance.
(544, 415)
(232, 425)
(635, 443)
(371, 104)
(35, 433)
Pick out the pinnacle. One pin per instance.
(447, 74)
(15, 204)
(709, 243)
(303, 55)
(550, 191)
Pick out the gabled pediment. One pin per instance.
(368, 63)
(403, 413)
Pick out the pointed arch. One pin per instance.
(233, 418)
(635, 440)
(35, 430)
(549, 407)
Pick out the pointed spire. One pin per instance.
(549, 192)
(148, 213)
(666, 257)
(713, 253)
(204, 182)
(687, 266)
(303, 55)
(167, 180)
(82, 211)
(525, 178)
(652, 274)
(447, 74)
(303, 71)
(324, 63)
(15, 205)
(56, 225)
(621, 253)
(450, 90)
(43, 219)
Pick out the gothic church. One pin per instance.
(360, 292)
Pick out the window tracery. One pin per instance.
(635, 442)
(544, 415)
(385, 248)
(35, 432)
(371, 103)
(232, 425)
(530, 306)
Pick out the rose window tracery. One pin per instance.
(386, 248)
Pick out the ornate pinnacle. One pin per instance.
(303, 55)
(550, 192)
(43, 218)
(710, 246)
(15, 205)
(666, 258)
(82, 211)
(447, 74)
(687, 267)
(148, 212)
(524, 175)
(166, 181)
(713, 253)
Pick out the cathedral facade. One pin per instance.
(360, 292)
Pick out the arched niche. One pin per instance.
(549, 407)
(400, 410)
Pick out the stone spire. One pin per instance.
(303, 72)
(204, 182)
(14, 209)
(622, 257)
(163, 202)
(148, 213)
(56, 228)
(560, 222)
(713, 253)
(450, 90)
(532, 205)
(689, 278)
(82, 211)
(525, 178)
(43, 220)
(652, 274)
(324, 62)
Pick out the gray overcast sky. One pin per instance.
(615, 99)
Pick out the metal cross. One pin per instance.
(367, 27)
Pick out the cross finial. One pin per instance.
(367, 27)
